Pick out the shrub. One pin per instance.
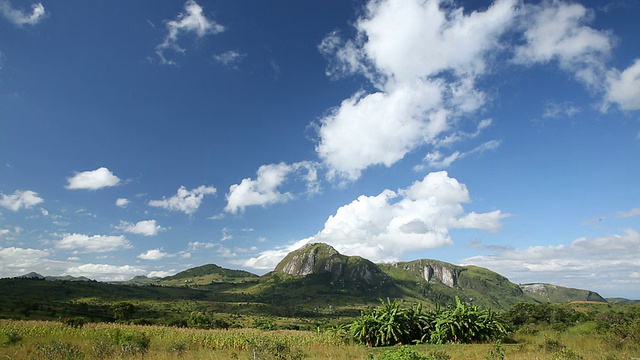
(198, 320)
(466, 324)
(391, 324)
(403, 353)
(103, 349)
(12, 338)
(59, 350)
(74, 322)
(131, 342)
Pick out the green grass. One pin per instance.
(54, 340)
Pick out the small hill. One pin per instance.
(31, 275)
(553, 293)
(622, 301)
(324, 263)
(207, 274)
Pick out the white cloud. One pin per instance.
(380, 128)
(20, 259)
(93, 180)
(423, 58)
(624, 87)
(161, 274)
(556, 30)
(197, 245)
(586, 263)
(267, 260)
(20, 200)
(105, 272)
(193, 21)
(229, 58)
(154, 254)
(264, 191)
(18, 17)
(556, 110)
(95, 243)
(225, 235)
(631, 213)
(435, 159)
(122, 202)
(144, 227)
(187, 201)
(386, 226)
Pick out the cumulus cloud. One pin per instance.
(154, 254)
(15, 261)
(93, 179)
(263, 190)
(624, 87)
(557, 30)
(96, 243)
(192, 21)
(145, 227)
(105, 272)
(187, 201)
(383, 227)
(584, 263)
(423, 58)
(20, 200)
(19, 17)
(122, 202)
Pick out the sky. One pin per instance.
(146, 138)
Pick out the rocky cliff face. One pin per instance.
(322, 259)
(432, 271)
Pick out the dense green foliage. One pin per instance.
(391, 324)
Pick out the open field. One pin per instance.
(55, 340)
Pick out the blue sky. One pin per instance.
(146, 138)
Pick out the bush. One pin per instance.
(198, 320)
(12, 338)
(74, 322)
(59, 350)
(131, 342)
(403, 353)
(466, 324)
(390, 324)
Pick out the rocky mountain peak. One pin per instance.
(322, 259)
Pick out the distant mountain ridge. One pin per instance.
(554, 293)
(35, 275)
(319, 271)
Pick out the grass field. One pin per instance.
(55, 340)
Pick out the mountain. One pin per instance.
(441, 282)
(553, 293)
(34, 275)
(31, 275)
(205, 275)
(324, 262)
(622, 301)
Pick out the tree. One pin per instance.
(123, 310)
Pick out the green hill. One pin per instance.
(552, 293)
(207, 274)
(315, 283)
